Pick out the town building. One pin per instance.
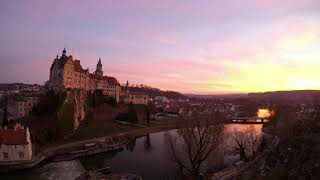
(21, 106)
(135, 98)
(161, 98)
(15, 144)
(25, 105)
(67, 73)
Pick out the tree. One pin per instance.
(5, 121)
(253, 140)
(111, 100)
(246, 142)
(191, 147)
(131, 144)
(240, 140)
(147, 115)
(65, 121)
(132, 113)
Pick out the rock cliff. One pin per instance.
(75, 102)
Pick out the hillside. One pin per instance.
(14, 86)
(152, 92)
(296, 96)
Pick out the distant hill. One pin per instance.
(296, 95)
(217, 96)
(11, 86)
(152, 92)
(15, 86)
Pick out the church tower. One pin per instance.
(99, 71)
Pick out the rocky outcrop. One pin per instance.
(77, 98)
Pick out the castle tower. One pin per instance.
(99, 71)
(64, 53)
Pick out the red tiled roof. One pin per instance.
(111, 80)
(13, 137)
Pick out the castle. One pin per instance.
(67, 73)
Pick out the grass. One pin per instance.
(101, 123)
(98, 131)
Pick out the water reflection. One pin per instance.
(130, 146)
(192, 147)
(147, 143)
(147, 156)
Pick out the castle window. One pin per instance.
(5, 155)
(21, 155)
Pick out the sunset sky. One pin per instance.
(191, 46)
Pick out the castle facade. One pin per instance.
(67, 73)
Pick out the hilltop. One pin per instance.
(15, 86)
(152, 92)
(294, 96)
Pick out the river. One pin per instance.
(146, 156)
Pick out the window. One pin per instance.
(21, 155)
(5, 155)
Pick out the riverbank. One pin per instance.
(246, 169)
(65, 149)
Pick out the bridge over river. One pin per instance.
(247, 120)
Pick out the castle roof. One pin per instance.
(111, 80)
(59, 61)
(13, 136)
(77, 66)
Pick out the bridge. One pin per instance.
(247, 120)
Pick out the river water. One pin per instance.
(146, 156)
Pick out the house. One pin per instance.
(135, 98)
(161, 98)
(15, 144)
(25, 105)
(21, 106)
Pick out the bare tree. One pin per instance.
(246, 142)
(253, 140)
(240, 139)
(193, 145)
